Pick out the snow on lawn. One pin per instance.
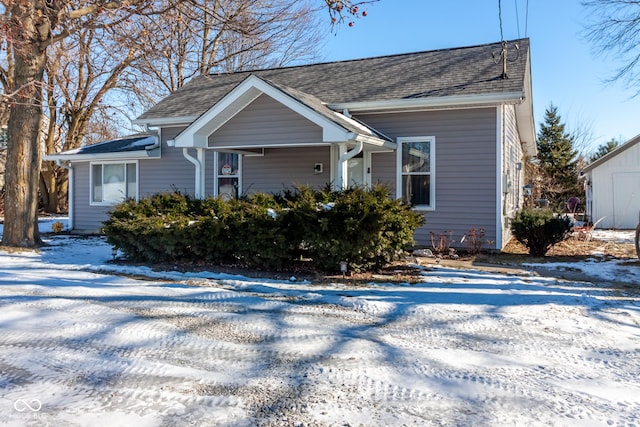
(617, 270)
(83, 345)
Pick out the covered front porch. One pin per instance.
(261, 137)
(270, 170)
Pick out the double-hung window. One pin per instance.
(111, 183)
(416, 171)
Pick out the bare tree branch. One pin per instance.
(614, 30)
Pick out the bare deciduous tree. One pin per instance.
(31, 30)
(205, 36)
(96, 62)
(615, 31)
(83, 69)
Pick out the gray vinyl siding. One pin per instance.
(266, 122)
(281, 168)
(170, 171)
(86, 218)
(383, 170)
(465, 166)
(512, 155)
(465, 156)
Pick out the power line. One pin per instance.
(517, 18)
(500, 18)
(526, 21)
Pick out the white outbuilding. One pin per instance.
(612, 186)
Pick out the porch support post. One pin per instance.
(342, 162)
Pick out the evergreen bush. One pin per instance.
(363, 227)
(540, 229)
(260, 233)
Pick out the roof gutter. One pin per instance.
(431, 102)
(373, 140)
(165, 121)
(126, 155)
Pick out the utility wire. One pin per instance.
(517, 18)
(500, 19)
(526, 21)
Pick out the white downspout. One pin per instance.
(199, 164)
(342, 163)
(69, 167)
(201, 159)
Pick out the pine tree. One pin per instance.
(604, 149)
(557, 161)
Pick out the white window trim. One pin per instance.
(112, 162)
(216, 175)
(432, 169)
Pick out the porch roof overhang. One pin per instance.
(336, 127)
(133, 147)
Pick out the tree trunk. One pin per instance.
(43, 192)
(22, 178)
(23, 147)
(63, 191)
(49, 188)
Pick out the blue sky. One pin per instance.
(565, 68)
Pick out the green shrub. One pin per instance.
(210, 235)
(540, 229)
(260, 233)
(363, 227)
(146, 230)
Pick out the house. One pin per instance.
(612, 185)
(446, 130)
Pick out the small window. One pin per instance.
(416, 164)
(111, 183)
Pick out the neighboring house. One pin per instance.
(446, 130)
(612, 186)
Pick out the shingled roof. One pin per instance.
(460, 71)
(138, 142)
(139, 145)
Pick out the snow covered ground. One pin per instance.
(83, 345)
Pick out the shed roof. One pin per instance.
(616, 152)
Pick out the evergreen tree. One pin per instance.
(604, 149)
(557, 161)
